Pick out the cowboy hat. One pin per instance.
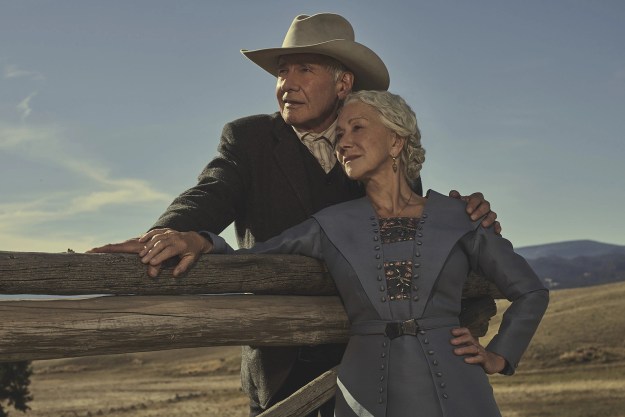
(326, 34)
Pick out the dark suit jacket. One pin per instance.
(259, 181)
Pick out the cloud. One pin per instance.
(14, 137)
(59, 204)
(24, 106)
(13, 71)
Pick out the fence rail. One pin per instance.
(266, 300)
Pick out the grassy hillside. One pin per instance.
(582, 325)
(575, 366)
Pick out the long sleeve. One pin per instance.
(212, 203)
(494, 258)
(302, 239)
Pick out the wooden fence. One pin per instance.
(265, 300)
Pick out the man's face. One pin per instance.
(307, 93)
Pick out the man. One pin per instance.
(274, 171)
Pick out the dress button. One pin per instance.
(430, 352)
(419, 234)
(445, 396)
(374, 224)
(415, 298)
(443, 385)
(380, 401)
(379, 266)
(426, 341)
(417, 254)
(415, 276)
(424, 215)
(416, 288)
(417, 264)
(379, 278)
(377, 247)
(421, 221)
(383, 355)
(383, 299)
(419, 243)
(375, 238)
(439, 374)
(421, 331)
(382, 367)
(377, 256)
(372, 218)
(382, 378)
(384, 344)
(435, 362)
(381, 287)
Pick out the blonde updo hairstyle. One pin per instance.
(397, 115)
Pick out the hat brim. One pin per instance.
(369, 70)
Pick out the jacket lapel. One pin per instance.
(287, 155)
(353, 228)
(443, 223)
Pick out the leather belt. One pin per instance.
(393, 329)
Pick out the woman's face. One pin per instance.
(363, 144)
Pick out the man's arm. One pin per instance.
(210, 205)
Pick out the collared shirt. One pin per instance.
(321, 145)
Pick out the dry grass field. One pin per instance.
(574, 368)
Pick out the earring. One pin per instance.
(394, 163)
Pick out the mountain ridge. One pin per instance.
(569, 249)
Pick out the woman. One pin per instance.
(399, 261)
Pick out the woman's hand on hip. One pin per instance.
(474, 353)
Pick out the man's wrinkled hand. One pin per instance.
(163, 244)
(478, 207)
(129, 246)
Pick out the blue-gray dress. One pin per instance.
(401, 283)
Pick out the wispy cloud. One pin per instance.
(13, 71)
(60, 204)
(24, 106)
(13, 137)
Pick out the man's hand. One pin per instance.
(477, 207)
(162, 244)
(475, 353)
(130, 246)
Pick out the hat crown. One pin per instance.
(319, 28)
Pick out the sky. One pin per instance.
(110, 109)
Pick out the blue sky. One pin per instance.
(109, 109)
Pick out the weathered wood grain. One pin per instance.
(167, 313)
(308, 398)
(68, 328)
(79, 273)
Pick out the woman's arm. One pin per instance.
(493, 257)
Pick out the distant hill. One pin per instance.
(582, 325)
(569, 250)
(578, 263)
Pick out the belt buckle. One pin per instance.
(410, 327)
(396, 329)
